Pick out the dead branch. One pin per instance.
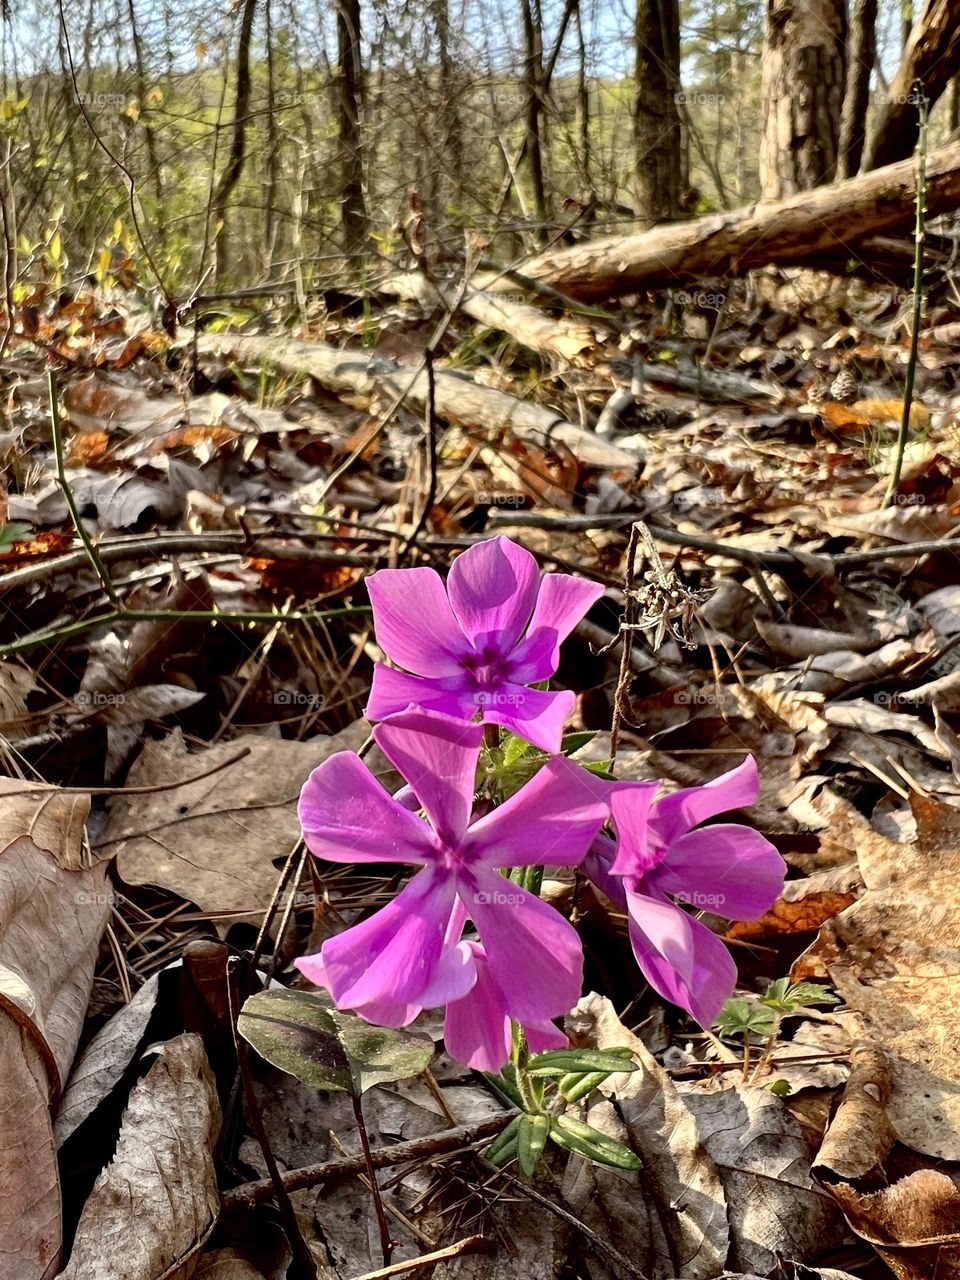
(802, 228)
(459, 399)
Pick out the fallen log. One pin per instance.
(458, 398)
(526, 324)
(825, 222)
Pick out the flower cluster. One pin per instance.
(470, 653)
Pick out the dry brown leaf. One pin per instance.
(763, 1157)
(156, 1203)
(911, 1220)
(52, 915)
(678, 1175)
(893, 956)
(215, 841)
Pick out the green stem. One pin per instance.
(524, 1080)
(92, 554)
(264, 617)
(919, 233)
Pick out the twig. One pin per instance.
(260, 618)
(626, 642)
(90, 550)
(164, 544)
(239, 1199)
(431, 425)
(305, 1263)
(904, 432)
(155, 789)
(386, 1244)
(469, 1244)
(114, 159)
(623, 1267)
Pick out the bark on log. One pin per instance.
(458, 398)
(800, 229)
(524, 323)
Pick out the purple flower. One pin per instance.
(408, 955)
(660, 861)
(476, 645)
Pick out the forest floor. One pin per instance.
(168, 682)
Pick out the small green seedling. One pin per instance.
(747, 1016)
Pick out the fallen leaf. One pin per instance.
(893, 956)
(105, 1059)
(214, 841)
(678, 1172)
(156, 1203)
(52, 913)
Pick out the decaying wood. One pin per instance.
(524, 323)
(803, 228)
(459, 399)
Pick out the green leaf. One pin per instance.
(14, 532)
(303, 1034)
(583, 1140)
(560, 1062)
(580, 1084)
(782, 1088)
(787, 999)
(739, 1017)
(504, 1147)
(572, 742)
(531, 1139)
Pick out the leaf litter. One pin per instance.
(825, 644)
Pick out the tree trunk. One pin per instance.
(807, 227)
(534, 89)
(803, 81)
(931, 58)
(861, 54)
(353, 211)
(238, 141)
(657, 133)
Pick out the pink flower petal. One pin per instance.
(726, 869)
(542, 1036)
(562, 603)
(347, 816)
(493, 590)
(438, 756)
(630, 805)
(550, 821)
(536, 715)
(414, 623)
(534, 955)
(476, 1029)
(393, 691)
(680, 810)
(680, 958)
(395, 955)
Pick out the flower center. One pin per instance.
(486, 668)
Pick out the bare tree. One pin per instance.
(657, 124)
(349, 83)
(861, 55)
